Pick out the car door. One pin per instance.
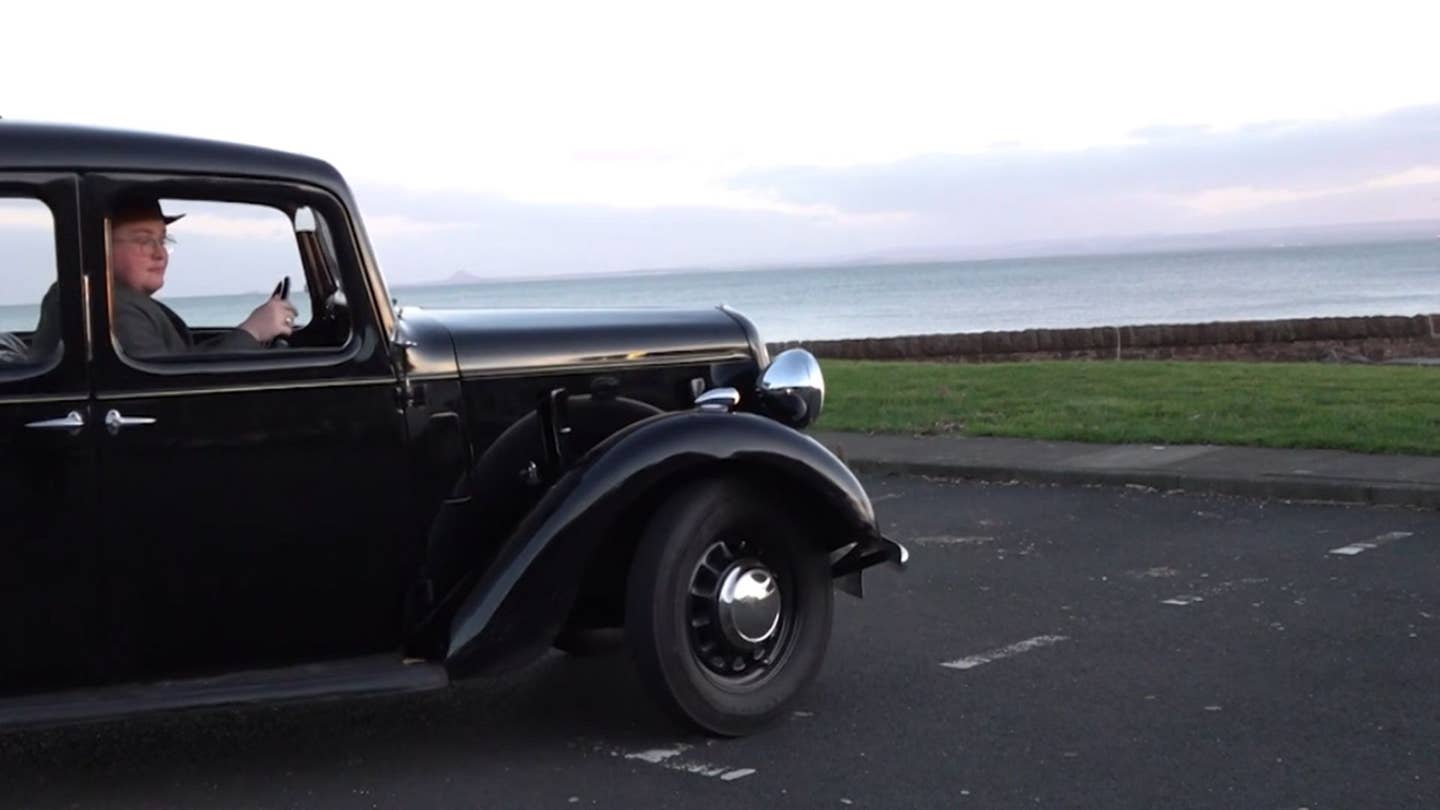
(254, 503)
(49, 556)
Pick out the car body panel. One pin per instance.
(50, 569)
(48, 147)
(506, 342)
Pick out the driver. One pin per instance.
(139, 255)
(138, 258)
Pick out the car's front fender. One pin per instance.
(523, 596)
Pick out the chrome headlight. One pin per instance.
(792, 389)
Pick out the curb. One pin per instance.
(1280, 487)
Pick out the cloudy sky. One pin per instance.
(543, 138)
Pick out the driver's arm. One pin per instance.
(233, 340)
(273, 319)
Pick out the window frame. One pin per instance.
(285, 196)
(64, 369)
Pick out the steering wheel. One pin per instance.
(282, 291)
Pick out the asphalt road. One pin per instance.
(1109, 648)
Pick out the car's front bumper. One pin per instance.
(868, 553)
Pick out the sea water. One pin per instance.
(876, 300)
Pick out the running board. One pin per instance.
(353, 677)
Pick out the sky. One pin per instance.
(523, 139)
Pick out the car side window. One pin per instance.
(211, 280)
(29, 318)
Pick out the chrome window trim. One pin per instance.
(85, 311)
(237, 363)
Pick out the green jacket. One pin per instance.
(143, 326)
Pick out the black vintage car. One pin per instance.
(384, 498)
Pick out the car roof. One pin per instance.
(54, 147)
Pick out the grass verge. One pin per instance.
(1389, 409)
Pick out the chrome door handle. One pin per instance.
(70, 421)
(114, 421)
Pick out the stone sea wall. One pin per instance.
(1374, 339)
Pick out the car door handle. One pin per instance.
(114, 420)
(70, 421)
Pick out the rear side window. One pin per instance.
(29, 333)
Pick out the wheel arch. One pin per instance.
(599, 598)
(594, 512)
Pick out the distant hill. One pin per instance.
(458, 277)
(1290, 237)
(1346, 233)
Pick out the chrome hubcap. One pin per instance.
(748, 604)
(737, 610)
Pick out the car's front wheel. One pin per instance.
(729, 605)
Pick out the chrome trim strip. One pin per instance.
(580, 366)
(77, 398)
(287, 385)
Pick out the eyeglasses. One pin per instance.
(150, 243)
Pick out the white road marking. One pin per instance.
(952, 540)
(1154, 573)
(699, 768)
(1193, 598)
(972, 661)
(670, 759)
(656, 756)
(1355, 548)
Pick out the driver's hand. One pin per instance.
(272, 319)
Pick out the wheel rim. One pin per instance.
(741, 613)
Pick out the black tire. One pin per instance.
(683, 549)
